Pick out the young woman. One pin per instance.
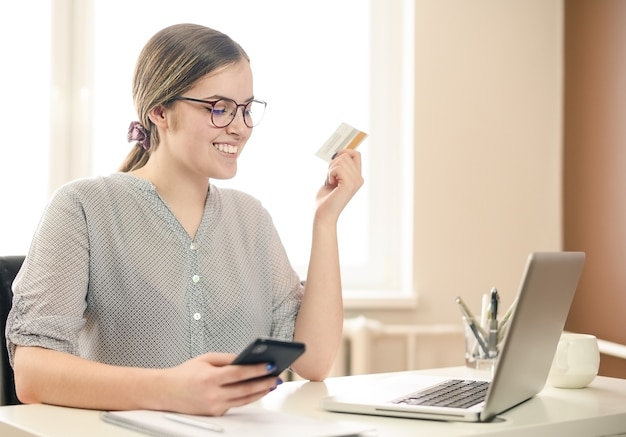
(140, 287)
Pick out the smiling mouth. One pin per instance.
(226, 148)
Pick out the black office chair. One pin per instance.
(9, 266)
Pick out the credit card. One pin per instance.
(345, 137)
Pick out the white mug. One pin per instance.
(576, 361)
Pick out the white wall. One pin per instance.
(487, 157)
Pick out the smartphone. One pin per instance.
(267, 350)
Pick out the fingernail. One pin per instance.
(270, 367)
(334, 155)
(279, 381)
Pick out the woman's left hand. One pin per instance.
(342, 182)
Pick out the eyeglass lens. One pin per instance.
(225, 110)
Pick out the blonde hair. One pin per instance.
(169, 64)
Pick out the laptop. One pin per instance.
(543, 302)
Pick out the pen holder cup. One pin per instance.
(481, 350)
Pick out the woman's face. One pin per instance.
(195, 144)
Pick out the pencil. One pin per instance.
(472, 325)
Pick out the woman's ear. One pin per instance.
(158, 116)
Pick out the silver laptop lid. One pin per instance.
(544, 299)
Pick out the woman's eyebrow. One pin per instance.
(217, 97)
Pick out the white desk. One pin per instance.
(598, 410)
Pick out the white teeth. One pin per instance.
(226, 148)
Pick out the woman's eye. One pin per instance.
(217, 111)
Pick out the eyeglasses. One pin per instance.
(224, 111)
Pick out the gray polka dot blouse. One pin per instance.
(112, 276)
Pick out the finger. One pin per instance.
(244, 399)
(244, 372)
(227, 373)
(327, 181)
(353, 154)
(217, 358)
(347, 169)
(346, 158)
(253, 387)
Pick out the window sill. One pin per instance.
(380, 299)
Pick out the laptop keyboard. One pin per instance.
(455, 393)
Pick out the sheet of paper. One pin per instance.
(345, 137)
(241, 421)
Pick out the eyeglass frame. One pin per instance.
(237, 106)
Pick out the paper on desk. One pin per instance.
(241, 421)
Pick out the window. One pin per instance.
(317, 64)
(24, 154)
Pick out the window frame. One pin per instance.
(387, 279)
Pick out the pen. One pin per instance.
(468, 314)
(471, 323)
(505, 319)
(484, 312)
(495, 299)
(197, 422)
(493, 324)
(483, 323)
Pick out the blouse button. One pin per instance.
(195, 278)
(197, 316)
(193, 246)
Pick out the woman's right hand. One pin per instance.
(209, 385)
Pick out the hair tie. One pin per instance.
(137, 132)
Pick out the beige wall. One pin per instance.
(487, 156)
